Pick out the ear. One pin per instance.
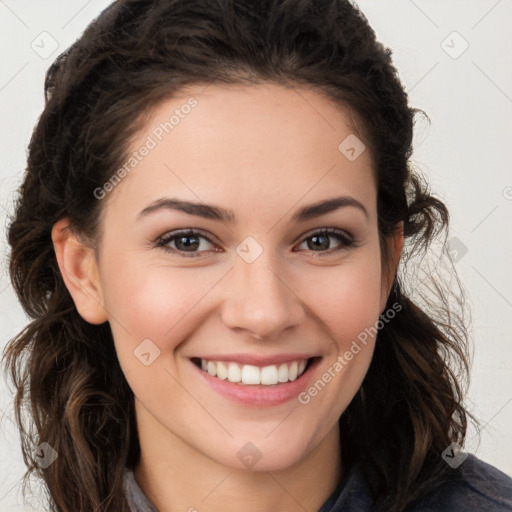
(395, 246)
(78, 266)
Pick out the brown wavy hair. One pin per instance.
(70, 390)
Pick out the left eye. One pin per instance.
(320, 240)
(188, 243)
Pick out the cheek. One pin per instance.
(155, 303)
(347, 298)
(166, 304)
(349, 310)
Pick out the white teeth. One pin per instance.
(212, 368)
(269, 375)
(248, 374)
(282, 374)
(292, 371)
(222, 371)
(234, 373)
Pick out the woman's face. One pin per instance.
(255, 292)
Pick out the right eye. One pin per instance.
(186, 243)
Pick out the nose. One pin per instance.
(260, 299)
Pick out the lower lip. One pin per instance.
(259, 395)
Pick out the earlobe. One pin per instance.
(78, 267)
(396, 244)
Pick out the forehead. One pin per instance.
(227, 144)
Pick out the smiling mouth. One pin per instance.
(250, 375)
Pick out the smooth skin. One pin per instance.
(262, 151)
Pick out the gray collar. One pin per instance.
(137, 500)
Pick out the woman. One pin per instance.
(211, 240)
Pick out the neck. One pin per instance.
(175, 476)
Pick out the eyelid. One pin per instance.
(162, 241)
(326, 230)
(346, 240)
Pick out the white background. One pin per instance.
(465, 153)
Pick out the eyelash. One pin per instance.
(162, 243)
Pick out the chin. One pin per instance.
(267, 454)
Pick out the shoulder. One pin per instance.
(474, 485)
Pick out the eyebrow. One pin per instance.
(217, 213)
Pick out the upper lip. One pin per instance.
(256, 360)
